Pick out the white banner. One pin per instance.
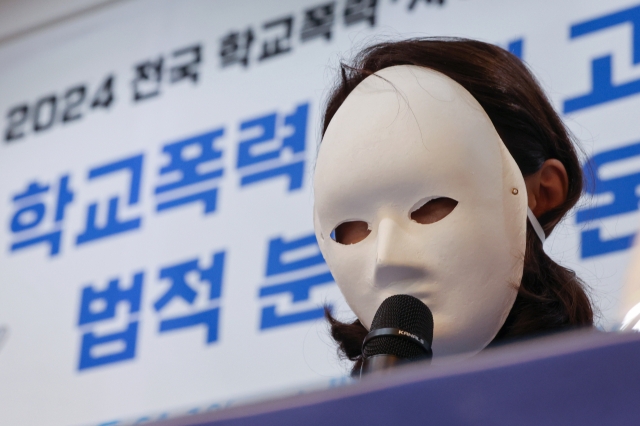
(156, 250)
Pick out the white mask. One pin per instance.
(404, 136)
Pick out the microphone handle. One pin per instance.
(380, 363)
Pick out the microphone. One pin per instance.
(401, 332)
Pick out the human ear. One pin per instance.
(547, 188)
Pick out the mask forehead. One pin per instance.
(406, 132)
(404, 135)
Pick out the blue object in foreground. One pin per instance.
(581, 378)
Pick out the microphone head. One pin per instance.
(409, 315)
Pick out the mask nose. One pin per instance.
(393, 261)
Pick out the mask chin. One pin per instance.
(421, 198)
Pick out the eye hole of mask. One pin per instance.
(351, 232)
(434, 210)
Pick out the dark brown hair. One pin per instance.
(550, 296)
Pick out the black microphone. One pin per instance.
(401, 332)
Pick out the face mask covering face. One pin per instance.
(415, 193)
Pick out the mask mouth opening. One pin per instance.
(351, 232)
(432, 210)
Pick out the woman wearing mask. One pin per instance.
(443, 167)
